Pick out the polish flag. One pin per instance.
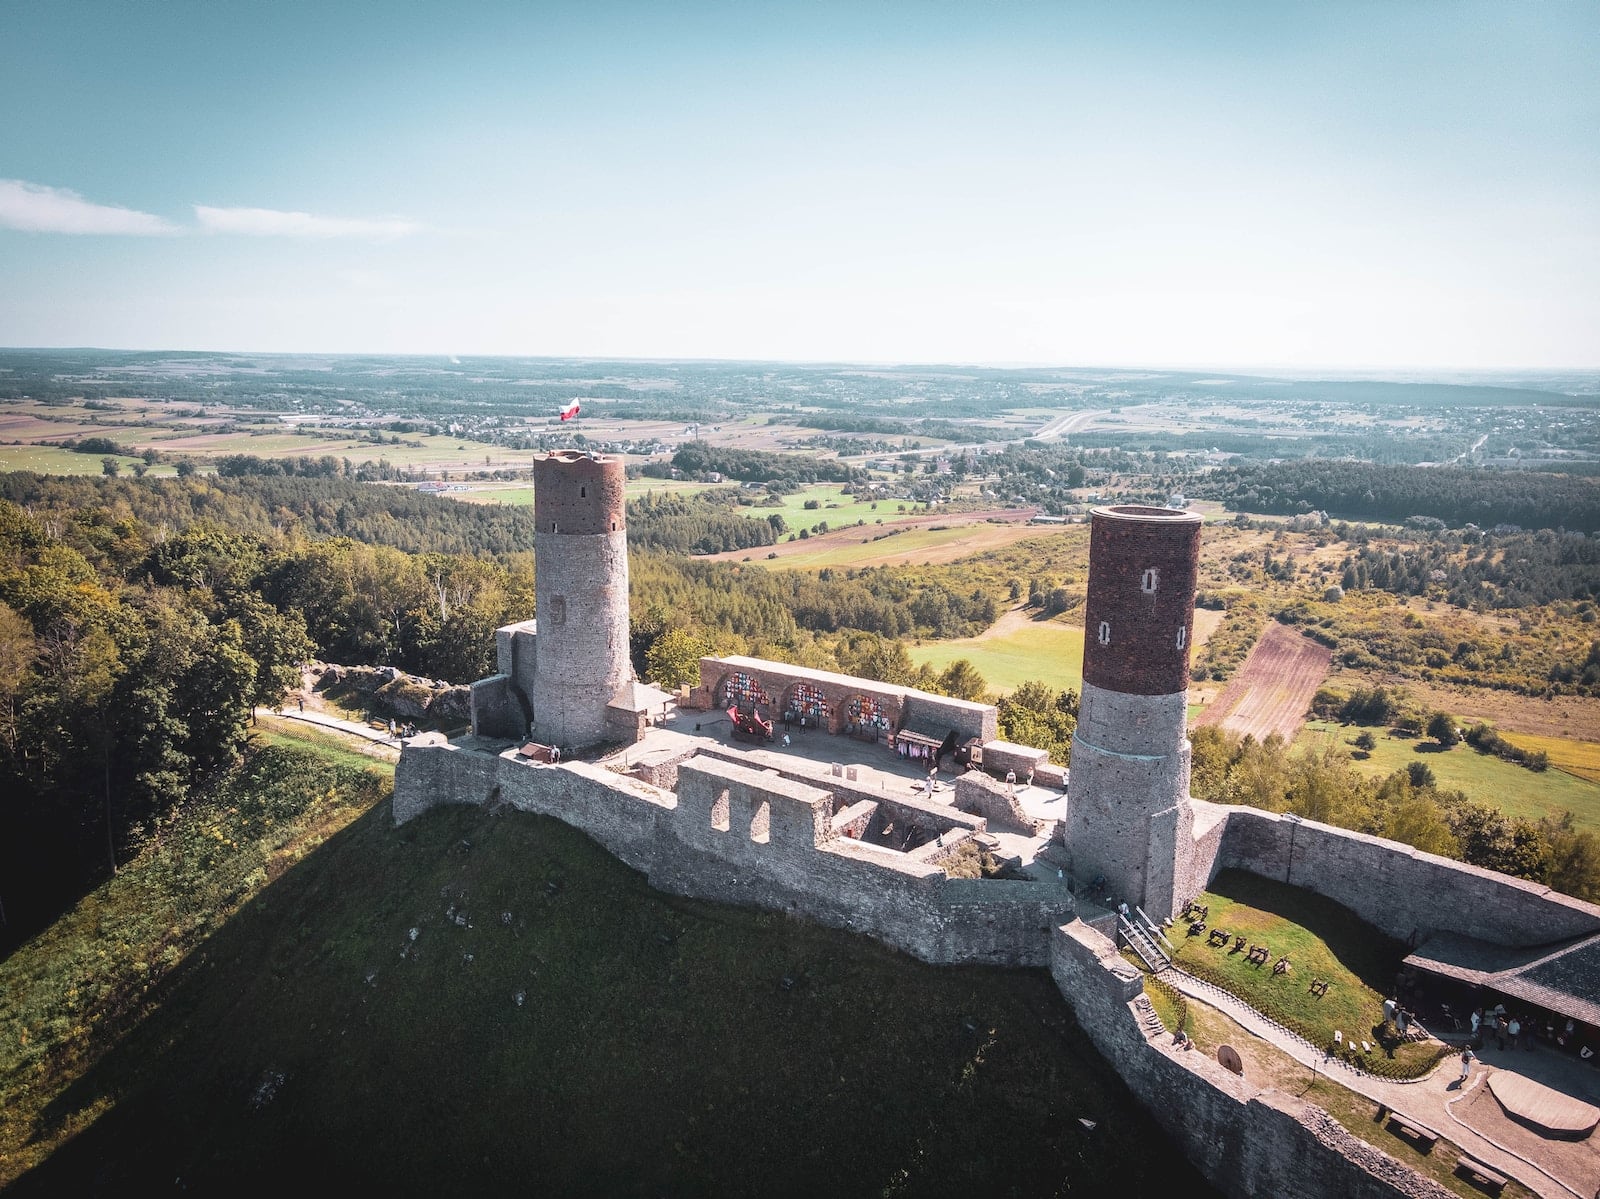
(570, 411)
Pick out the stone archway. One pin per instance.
(807, 705)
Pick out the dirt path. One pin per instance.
(1273, 689)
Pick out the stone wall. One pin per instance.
(581, 588)
(1021, 760)
(775, 848)
(1247, 1140)
(983, 796)
(1398, 889)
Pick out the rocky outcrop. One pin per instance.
(394, 693)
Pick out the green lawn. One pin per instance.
(1041, 650)
(1322, 940)
(336, 748)
(1516, 789)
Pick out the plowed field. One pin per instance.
(1273, 689)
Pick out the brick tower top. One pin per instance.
(1139, 616)
(579, 494)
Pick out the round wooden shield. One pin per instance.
(1229, 1057)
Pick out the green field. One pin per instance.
(52, 460)
(835, 508)
(1042, 650)
(1516, 789)
(858, 549)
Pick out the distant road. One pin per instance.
(1053, 429)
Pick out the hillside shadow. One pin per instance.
(554, 1023)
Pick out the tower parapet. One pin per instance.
(1128, 814)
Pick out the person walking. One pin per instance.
(1516, 1033)
(1466, 1064)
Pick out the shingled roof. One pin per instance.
(1563, 978)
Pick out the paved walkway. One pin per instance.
(1430, 1099)
(353, 727)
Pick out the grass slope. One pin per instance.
(1484, 777)
(556, 1026)
(1323, 940)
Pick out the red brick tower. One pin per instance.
(1128, 815)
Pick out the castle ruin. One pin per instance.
(839, 829)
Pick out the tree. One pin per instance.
(673, 659)
(17, 653)
(1442, 728)
(962, 680)
(110, 467)
(1365, 741)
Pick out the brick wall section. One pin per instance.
(903, 707)
(578, 494)
(1137, 626)
(1396, 888)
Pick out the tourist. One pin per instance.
(1500, 1027)
(1389, 1006)
(1515, 1029)
(1466, 1063)
(1401, 1019)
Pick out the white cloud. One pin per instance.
(35, 208)
(269, 222)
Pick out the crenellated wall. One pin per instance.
(740, 835)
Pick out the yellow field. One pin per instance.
(1579, 758)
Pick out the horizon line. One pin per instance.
(972, 364)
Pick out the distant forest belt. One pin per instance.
(967, 533)
(1272, 691)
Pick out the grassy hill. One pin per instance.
(487, 1002)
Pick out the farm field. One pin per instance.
(1273, 689)
(1578, 758)
(1516, 789)
(835, 508)
(918, 544)
(1013, 650)
(52, 460)
(1575, 717)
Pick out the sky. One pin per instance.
(1311, 186)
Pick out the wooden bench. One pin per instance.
(1319, 986)
(1424, 1137)
(1480, 1175)
(1281, 966)
(1259, 954)
(1218, 936)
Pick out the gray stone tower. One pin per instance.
(580, 553)
(1128, 812)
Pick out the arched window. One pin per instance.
(1104, 636)
(1150, 581)
(583, 493)
(1183, 635)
